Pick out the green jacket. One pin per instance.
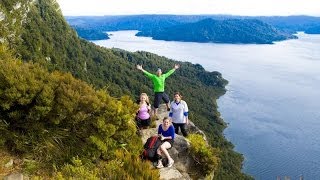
(158, 82)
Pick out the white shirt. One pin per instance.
(178, 111)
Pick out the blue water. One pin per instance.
(273, 100)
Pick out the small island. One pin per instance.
(234, 31)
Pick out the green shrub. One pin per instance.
(52, 117)
(30, 166)
(204, 155)
(77, 170)
(124, 166)
(129, 166)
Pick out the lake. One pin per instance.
(273, 100)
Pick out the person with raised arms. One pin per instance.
(158, 80)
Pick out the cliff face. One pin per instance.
(13, 14)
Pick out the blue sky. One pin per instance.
(233, 7)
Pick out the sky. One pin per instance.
(231, 7)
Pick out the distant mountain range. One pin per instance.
(221, 31)
(148, 24)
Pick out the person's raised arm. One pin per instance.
(139, 67)
(176, 66)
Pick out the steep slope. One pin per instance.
(44, 37)
(221, 31)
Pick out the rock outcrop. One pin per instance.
(184, 163)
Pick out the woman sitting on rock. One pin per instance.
(166, 134)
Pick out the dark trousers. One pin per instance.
(158, 96)
(182, 126)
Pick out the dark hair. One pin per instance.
(177, 93)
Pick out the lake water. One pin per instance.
(273, 100)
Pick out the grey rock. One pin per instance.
(183, 162)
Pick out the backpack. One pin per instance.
(150, 148)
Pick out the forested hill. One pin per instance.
(221, 31)
(70, 128)
(130, 22)
(313, 30)
(91, 33)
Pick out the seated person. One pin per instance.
(166, 134)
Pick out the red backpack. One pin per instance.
(150, 148)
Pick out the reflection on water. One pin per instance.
(273, 98)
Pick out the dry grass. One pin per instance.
(153, 123)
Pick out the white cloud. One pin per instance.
(235, 7)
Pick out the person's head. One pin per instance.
(159, 72)
(166, 121)
(177, 96)
(144, 98)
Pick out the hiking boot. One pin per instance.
(171, 161)
(160, 165)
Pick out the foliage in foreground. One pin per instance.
(51, 118)
(125, 166)
(205, 156)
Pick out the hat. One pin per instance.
(159, 69)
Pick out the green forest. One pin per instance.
(67, 106)
(91, 34)
(244, 31)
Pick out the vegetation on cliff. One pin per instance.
(53, 119)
